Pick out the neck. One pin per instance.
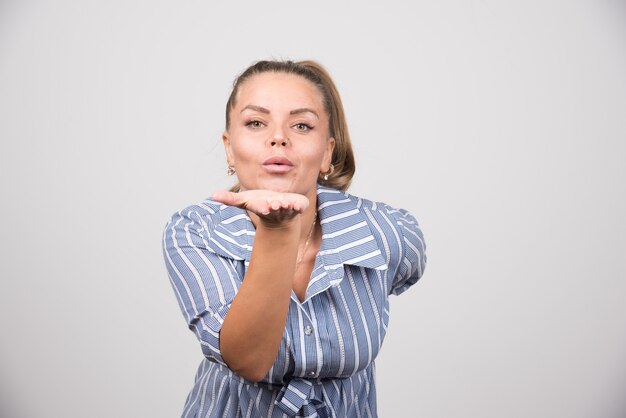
(308, 238)
(308, 218)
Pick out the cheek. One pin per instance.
(244, 150)
(316, 157)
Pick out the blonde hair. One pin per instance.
(343, 156)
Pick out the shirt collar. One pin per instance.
(346, 234)
(347, 238)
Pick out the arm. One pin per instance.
(253, 328)
(413, 257)
(204, 282)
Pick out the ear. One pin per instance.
(227, 148)
(328, 155)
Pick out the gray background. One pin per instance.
(500, 124)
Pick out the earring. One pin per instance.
(328, 173)
(231, 170)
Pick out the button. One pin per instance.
(308, 330)
(311, 374)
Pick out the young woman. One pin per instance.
(285, 279)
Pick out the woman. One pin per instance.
(285, 279)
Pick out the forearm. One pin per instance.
(253, 328)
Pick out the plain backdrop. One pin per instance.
(501, 125)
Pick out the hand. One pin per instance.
(273, 208)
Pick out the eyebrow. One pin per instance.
(303, 110)
(293, 112)
(257, 108)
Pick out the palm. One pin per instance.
(269, 205)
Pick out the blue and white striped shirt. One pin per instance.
(325, 364)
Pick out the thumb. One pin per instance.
(226, 197)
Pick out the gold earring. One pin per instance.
(328, 173)
(231, 170)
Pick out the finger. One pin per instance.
(275, 204)
(301, 204)
(263, 208)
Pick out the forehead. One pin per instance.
(279, 90)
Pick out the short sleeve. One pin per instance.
(205, 282)
(413, 251)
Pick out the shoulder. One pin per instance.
(400, 239)
(383, 217)
(205, 211)
(392, 227)
(208, 212)
(211, 225)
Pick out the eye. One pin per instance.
(302, 127)
(254, 124)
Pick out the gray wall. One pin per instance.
(499, 124)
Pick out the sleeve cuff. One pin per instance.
(208, 327)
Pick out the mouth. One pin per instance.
(277, 165)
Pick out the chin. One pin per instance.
(282, 185)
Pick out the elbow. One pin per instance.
(250, 356)
(251, 371)
(252, 366)
(251, 375)
(248, 367)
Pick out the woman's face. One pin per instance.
(278, 137)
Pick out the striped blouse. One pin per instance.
(325, 363)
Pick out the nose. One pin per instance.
(279, 138)
(279, 141)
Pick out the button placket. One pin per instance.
(308, 331)
(304, 350)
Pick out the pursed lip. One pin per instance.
(277, 165)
